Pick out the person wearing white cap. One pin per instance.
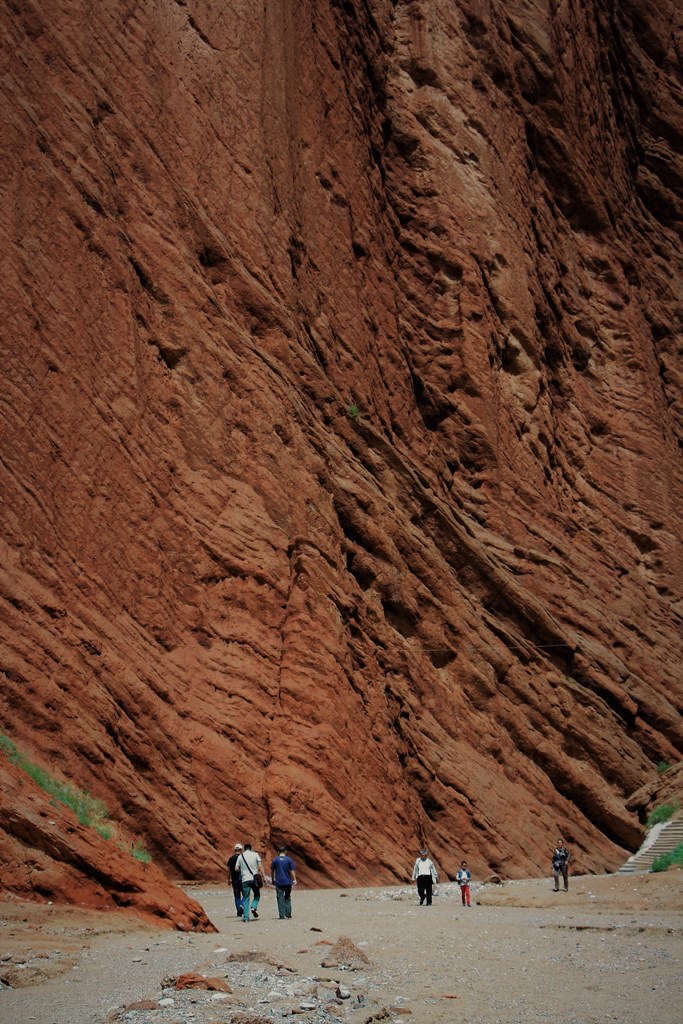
(424, 873)
(236, 879)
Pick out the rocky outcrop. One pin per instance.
(46, 853)
(341, 467)
(667, 788)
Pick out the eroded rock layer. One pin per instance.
(46, 854)
(340, 432)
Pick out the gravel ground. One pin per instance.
(609, 950)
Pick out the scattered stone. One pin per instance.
(192, 980)
(249, 1018)
(343, 992)
(255, 956)
(346, 956)
(142, 1004)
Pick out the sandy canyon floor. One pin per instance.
(609, 950)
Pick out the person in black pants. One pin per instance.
(424, 873)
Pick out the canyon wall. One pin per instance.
(341, 420)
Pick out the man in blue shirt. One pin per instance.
(283, 876)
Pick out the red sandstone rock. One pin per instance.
(340, 470)
(194, 980)
(46, 853)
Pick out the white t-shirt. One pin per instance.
(424, 867)
(248, 863)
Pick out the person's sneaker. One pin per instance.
(240, 912)
(254, 914)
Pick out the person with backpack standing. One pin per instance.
(249, 866)
(463, 878)
(424, 874)
(560, 865)
(283, 877)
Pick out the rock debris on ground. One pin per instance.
(609, 950)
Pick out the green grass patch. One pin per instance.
(88, 809)
(662, 813)
(662, 767)
(667, 860)
(105, 829)
(140, 853)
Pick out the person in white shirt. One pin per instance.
(249, 867)
(424, 873)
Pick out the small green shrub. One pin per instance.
(354, 412)
(662, 813)
(138, 851)
(667, 860)
(9, 748)
(104, 829)
(662, 767)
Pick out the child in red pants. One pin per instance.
(463, 879)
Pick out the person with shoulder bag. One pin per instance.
(249, 866)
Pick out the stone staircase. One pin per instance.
(660, 839)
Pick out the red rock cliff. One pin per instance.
(340, 434)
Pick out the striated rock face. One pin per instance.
(341, 423)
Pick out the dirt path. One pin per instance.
(610, 950)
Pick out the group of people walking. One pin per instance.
(244, 868)
(425, 875)
(247, 879)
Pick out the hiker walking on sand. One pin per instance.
(249, 865)
(463, 878)
(236, 878)
(283, 877)
(424, 873)
(561, 858)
